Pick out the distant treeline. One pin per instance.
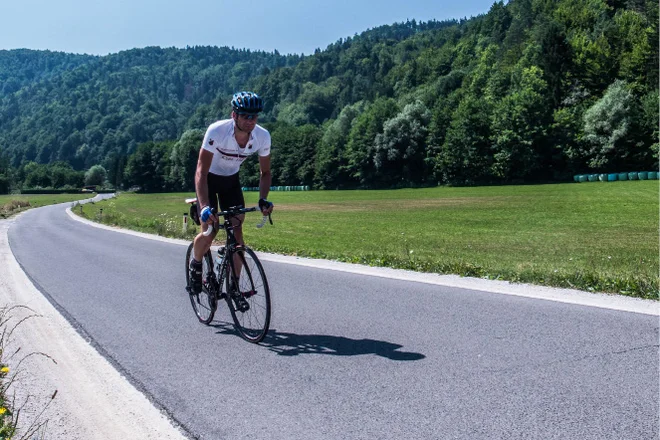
(532, 91)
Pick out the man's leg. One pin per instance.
(202, 243)
(240, 301)
(201, 246)
(232, 195)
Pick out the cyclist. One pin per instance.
(226, 145)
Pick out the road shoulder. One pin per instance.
(93, 400)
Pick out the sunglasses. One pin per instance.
(248, 116)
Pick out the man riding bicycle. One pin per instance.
(227, 143)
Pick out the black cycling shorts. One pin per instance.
(226, 189)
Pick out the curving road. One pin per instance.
(349, 356)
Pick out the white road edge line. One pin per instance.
(570, 296)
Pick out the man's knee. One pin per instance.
(205, 240)
(237, 222)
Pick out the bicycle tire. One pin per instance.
(254, 323)
(204, 303)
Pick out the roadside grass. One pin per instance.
(12, 204)
(593, 236)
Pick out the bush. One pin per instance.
(49, 191)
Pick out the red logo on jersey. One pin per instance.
(210, 141)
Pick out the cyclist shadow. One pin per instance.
(290, 344)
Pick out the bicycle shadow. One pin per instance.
(291, 344)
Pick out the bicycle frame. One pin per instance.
(226, 264)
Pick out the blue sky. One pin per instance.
(290, 26)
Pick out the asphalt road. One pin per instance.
(349, 356)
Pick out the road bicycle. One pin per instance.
(237, 277)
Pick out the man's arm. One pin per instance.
(265, 179)
(201, 177)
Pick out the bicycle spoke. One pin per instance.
(253, 323)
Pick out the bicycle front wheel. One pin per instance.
(252, 324)
(204, 303)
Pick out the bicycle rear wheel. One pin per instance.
(253, 323)
(204, 303)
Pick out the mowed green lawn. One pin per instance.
(592, 236)
(10, 203)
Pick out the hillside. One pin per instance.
(20, 68)
(83, 110)
(534, 90)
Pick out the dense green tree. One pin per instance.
(634, 41)
(96, 175)
(360, 147)
(293, 154)
(183, 160)
(5, 175)
(551, 51)
(608, 127)
(650, 115)
(466, 158)
(36, 176)
(64, 176)
(148, 168)
(595, 65)
(330, 169)
(400, 150)
(5, 184)
(497, 22)
(519, 126)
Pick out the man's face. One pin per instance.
(243, 122)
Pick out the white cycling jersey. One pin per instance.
(227, 154)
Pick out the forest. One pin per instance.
(531, 91)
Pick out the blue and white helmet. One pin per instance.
(247, 102)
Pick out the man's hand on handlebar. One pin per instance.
(207, 216)
(265, 206)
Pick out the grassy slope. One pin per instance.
(593, 236)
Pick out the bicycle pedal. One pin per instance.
(241, 306)
(249, 294)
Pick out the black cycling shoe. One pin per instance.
(241, 303)
(195, 277)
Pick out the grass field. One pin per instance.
(11, 204)
(591, 236)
